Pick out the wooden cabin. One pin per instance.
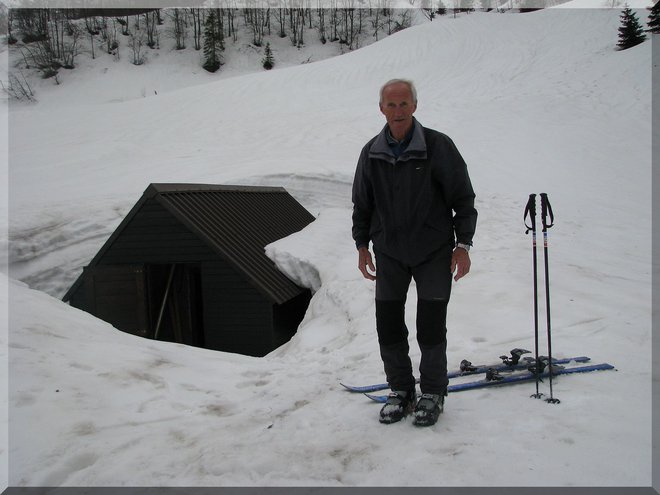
(187, 265)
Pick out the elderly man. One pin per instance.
(413, 199)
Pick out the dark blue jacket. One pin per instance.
(415, 204)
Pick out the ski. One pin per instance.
(511, 379)
(468, 369)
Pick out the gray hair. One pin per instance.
(407, 82)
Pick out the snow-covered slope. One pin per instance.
(539, 102)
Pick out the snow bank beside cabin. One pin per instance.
(323, 258)
(309, 257)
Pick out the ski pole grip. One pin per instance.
(530, 210)
(546, 209)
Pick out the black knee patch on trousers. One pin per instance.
(390, 322)
(431, 322)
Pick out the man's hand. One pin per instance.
(460, 263)
(364, 262)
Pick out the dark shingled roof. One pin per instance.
(236, 222)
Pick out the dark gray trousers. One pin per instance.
(433, 280)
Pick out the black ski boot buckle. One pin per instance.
(467, 366)
(516, 354)
(493, 375)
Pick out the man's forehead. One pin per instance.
(399, 90)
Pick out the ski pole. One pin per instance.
(530, 211)
(546, 210)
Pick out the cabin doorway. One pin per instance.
(175, 303)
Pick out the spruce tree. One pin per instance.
(654, 19)
(630, 31)
(268, 61)
(213, 44)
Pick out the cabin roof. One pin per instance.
(236, 222)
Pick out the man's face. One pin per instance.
(398, 107)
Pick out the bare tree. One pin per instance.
(109, 35)
(197, 15)
(296, 18)
(257, 19)
(231, 29)
(334, 21)
(220, 23)
(179, 28)
(10, 22)
(301, 26)
(353, 21)
(280, 15)
(91, 25)
(32, 23)
(124, 25)
(18, 87)
(151, 24)
(70, 47)
(320, 12)
(40, 56)
(136, 43)
(404, 20)
(381, 17)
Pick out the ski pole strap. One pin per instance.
(530, 211)
(546, 210)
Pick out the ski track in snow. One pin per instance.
(538, 102)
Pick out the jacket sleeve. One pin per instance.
(462, 198)
(362, 201)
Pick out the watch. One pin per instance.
(464, 246)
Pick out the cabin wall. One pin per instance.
(237, 318)
(117, 294)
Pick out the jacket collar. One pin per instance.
(416, 149)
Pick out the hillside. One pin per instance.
(540, 102)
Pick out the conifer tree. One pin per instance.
(630, 31)
(654, 19)
(268, 61)
(213, 44)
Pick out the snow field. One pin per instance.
(539, 102)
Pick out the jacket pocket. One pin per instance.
(438, 230)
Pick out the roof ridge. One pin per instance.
(172, 188)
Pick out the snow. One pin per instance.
(536, 102)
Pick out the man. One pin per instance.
(413, 199)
